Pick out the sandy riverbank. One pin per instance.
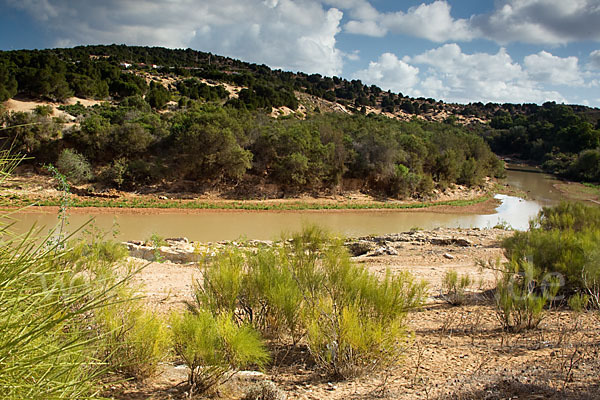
(457, 352)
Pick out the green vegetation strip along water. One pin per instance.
(18, 201)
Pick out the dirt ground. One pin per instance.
(458, 352)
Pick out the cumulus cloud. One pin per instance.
(595, 59)
(546, 68)
(460, 77)
(390, 73)
(297, 35)
(541, 21)
(430, 21)
(525, 21)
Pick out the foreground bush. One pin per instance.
(134, 340)
(454, 287)
(214, 347)
(46, 303)
(49, 295)
(557, 258)
(353, 321)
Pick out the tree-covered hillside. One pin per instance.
(129, 145)
(172, 115)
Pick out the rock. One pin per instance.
(177, 240)
(360, 247)
(384, 250)
(265, 390)
(391, 251)
(463, 242)
(441, 241)
(448, 256)
(251, 376)
(181, 252)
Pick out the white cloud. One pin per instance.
(463, 78)
(287, 34)
(389, 72)
(546, 68)
(595, 59)
(526, 21)
(366, 27)
(430, 21)
(541, 21)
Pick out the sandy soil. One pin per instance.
(28, 106)
(458, 352)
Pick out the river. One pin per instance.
(230, 225)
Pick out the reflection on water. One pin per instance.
(214, 225)
(538, 186)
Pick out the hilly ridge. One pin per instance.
(167, 116)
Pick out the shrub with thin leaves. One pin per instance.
(454, 287)
(133, 340)
(214, 348)
(256, 288)
(48, 297)
(356, 322)
(353, 321)
(74, 166)
(522, 294)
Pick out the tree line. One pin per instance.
(553, 135)
(130, 144)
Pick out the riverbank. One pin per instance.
(458, 352)
(29, 189)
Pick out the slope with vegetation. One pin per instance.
(173, 115)
(211, 138)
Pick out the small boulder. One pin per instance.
(360, 247)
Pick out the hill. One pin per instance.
(182, 115)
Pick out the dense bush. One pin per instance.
(216, 144)
(211, 346)
(559, 256)
(74, 166)
(554, 135)
(353, 321)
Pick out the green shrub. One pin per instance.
(134, 340)
(74, 166)
(454, 287)
(579, 302)
(563, 240)
(521, 297)
(354, 321)
(213, 346)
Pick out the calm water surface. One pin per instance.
(215, 225)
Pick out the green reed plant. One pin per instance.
(353, 321)
(214, 348)
(48, 297)
(454, 287)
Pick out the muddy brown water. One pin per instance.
(228, 225)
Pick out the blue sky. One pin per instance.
(528, 51)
